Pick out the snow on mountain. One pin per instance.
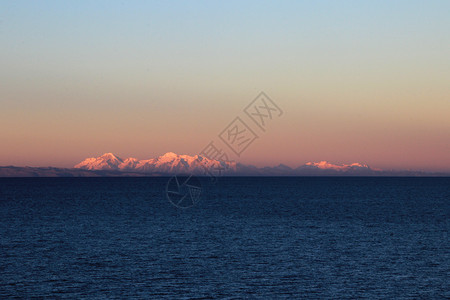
(107, 161)
(324, 165)
(129, 164)
(172, 163)
(167, 163)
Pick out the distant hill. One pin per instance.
(11, 171)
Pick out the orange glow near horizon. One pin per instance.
(386, 140)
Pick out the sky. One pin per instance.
(357, 81)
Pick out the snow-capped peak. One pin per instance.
(324, 165)
(107, 161)
(110, 156)
(170, 155)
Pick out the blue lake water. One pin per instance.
(254, 238)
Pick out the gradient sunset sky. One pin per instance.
(358, 81)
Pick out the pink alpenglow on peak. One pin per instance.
(167, 163)
(324, 165)
(129, 164)
(172, 163)
(107, 161)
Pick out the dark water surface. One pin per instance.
(247, 238)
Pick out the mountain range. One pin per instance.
(170, 163)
